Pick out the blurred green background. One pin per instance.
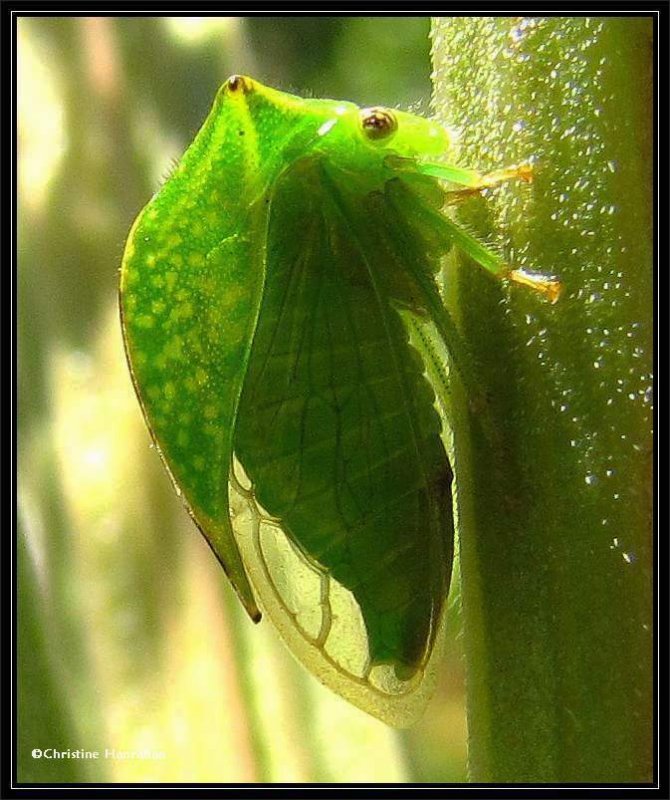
(129, 637)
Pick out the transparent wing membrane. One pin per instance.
(318, 618)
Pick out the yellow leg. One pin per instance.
(523, 172)
(546, 285)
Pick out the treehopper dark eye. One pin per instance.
(265, 292)
(378, 123)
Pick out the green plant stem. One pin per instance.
(553, 464)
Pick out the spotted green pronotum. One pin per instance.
(264, 297)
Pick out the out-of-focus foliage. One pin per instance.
(130, 638)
